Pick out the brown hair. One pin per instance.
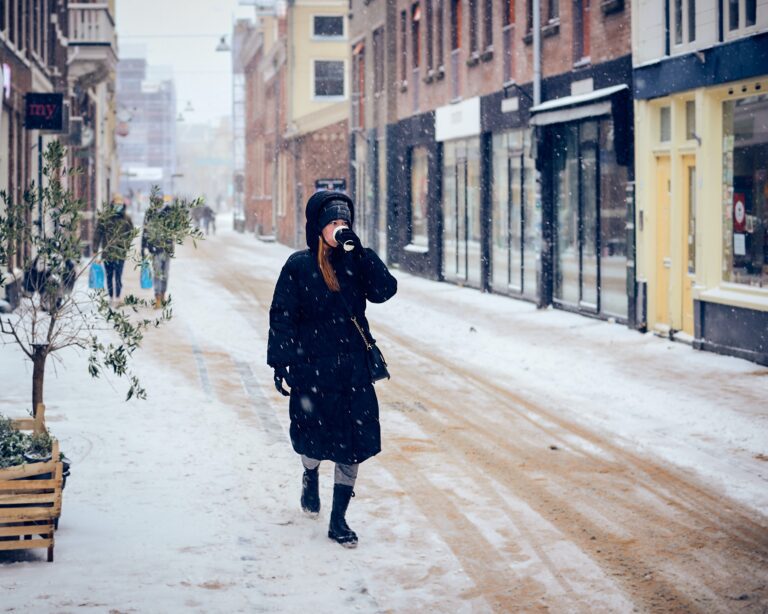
(324, 262)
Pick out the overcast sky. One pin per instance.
(183, 34)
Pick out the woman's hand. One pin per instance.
(281, 373)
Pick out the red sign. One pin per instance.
(739, 212)
(44, 112)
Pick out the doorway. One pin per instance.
(689, 241)
(461, 213)
(663, 315)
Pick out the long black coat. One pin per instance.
(333, 407)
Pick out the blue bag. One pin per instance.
(146, 276)
(96, 277)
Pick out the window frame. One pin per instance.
(319, 37)
(313, 81)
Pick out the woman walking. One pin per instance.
(315, 347)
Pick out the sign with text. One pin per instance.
(44, 112)
(336, 185)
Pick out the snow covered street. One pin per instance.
(532, 461)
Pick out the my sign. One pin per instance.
(44, 112)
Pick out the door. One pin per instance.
(662, 314)
(689, 241)
(461, 213)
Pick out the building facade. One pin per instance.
(58, 48)
(297, 96)
(701, 89)
(147, 139)
(500, 176)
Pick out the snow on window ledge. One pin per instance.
(737, 295)
(416, 249)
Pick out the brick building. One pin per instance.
(55, 47)
(499, 176)
(296, 96)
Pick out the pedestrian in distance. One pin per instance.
(160, 245)
(114, 235)
(315, 347)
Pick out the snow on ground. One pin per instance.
(188, 501)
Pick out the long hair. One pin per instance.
(324, 262)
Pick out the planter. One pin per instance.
(30, 502)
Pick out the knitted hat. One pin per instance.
(334, 210)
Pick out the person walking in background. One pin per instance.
(114, 234)
(160, 245)
(315, 347)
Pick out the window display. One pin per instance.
(745, 191)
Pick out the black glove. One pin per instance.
(281, 373)
(346, 238)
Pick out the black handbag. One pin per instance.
(377, 366)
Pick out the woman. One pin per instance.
(315, 347)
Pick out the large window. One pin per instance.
(419, 177)
(403, 46)
(581, 14)
(508, 36)
(329, 78)
(331, 26)
(745, 173)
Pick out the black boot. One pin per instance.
(338, 530)
(310, 497)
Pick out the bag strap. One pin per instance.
(368, 344)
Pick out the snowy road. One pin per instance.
(533, 461)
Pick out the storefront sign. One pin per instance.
(44, 112)
(335, 185)
(739, 213)
(458, 121)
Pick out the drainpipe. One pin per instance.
(536, 52)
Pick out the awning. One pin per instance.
(580, 106)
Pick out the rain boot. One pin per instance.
(338, 530)
(310, 497)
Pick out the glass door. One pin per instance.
(589, 216)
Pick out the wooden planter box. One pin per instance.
(30, 502)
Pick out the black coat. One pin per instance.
(333, 407)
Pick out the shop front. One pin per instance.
(515, 217)
(731, 315)
(582, 152)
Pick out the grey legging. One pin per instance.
(344, 474)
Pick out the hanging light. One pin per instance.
(223, 46)
(188, 108)
(180, 117)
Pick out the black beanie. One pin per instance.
(334, 210)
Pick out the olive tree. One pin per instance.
(55, 311)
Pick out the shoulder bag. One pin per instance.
(377, 366)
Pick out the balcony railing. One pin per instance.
(92, 41)
(91, 24)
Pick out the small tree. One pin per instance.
(54, 313)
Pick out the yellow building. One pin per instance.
(701, 123)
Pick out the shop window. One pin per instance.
(330, 26)
(690, 120)
(419, 176)
(665, 124)
(329, 78)
(745, 191)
